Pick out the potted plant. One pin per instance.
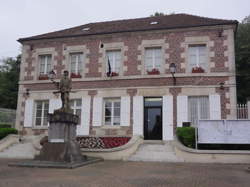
(75, 75)
(112, 74)
(154, 71)
(43, 77)
(197, 70)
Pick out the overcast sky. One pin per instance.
(24, 18)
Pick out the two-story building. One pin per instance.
(143, 76)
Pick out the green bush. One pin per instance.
(3, 125)
(6, 131)
(186, 135)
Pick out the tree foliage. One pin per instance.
(160, 14)
(9, 76)
(242, 54)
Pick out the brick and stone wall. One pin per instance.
(133, 77)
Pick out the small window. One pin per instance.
(45, 64)
(198, 108)
(76, 106)
(113, 61)
(76, 63)
(42, 109)
(153, 59)
(112, 111)
(197, 57)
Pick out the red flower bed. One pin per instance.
(43, 77)
(197, 70)
(102, 142)
(111, 142)
(153, 72)
(74, 75)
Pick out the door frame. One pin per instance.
(145, 122)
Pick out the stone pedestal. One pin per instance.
(61, 145)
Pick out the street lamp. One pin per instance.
(173, 71)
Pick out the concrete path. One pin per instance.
(122, 174)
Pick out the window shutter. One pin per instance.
(125, 111)
(215, 107)
(83, 128)
(97, 111)
(28, 113)
(182, 110)
(167, 122)
(138, 115)
(54, 104)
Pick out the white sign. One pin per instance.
(224, 131)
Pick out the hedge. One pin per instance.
(186, 135)
(3, 125)
(6, 131)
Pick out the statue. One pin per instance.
(65, 87)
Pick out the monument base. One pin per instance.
(61, 152)
(51, 164)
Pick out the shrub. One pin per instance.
(6, 131)
(3, 125)
(186, 135)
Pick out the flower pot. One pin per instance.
(197, 70)
(43, 77)
(73, 75)
(153, 72)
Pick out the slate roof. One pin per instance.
(173, 21)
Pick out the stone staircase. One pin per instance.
(22, 150)
(155, 151)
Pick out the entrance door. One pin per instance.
(153, 119)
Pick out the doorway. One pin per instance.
(153, 118)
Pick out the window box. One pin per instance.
(153, 72)
(112, 74)
(43, 77)
(197, 70)
(74, 75)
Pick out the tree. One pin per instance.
(9, 76)
(242, 54)
(157, 14)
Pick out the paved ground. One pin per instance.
(119, 174)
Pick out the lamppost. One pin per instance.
(173, 71)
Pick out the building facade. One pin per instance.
(122, 83)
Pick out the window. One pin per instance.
(153, 59)
(198, 108)
(76, 63)
(114, 58)
(42, 109)
(197, 57)
(45, 64)
(76, 105)
(112, 111)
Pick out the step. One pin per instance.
(20, 150)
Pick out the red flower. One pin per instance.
(74, 75)
(197, 70)
(112, 74)
(43, 77)
(154, 71)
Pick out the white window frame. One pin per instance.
(112, 101)
(79, 62)
(154, 57)
(74, 107)
(110, 55)
(198, 108)
(42, 113)
(45, 71)
(197, 56)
